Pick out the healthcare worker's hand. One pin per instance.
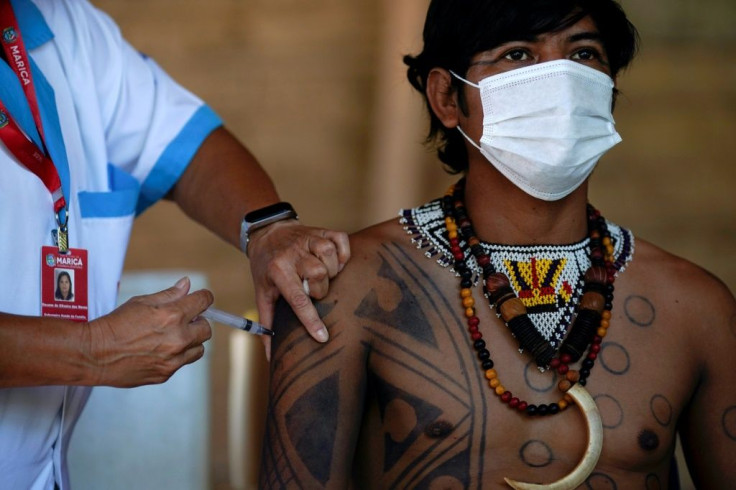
(295, 261)
(150, 337)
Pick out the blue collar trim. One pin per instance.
(32, 24)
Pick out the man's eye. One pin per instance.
(585, 54)
(516, 55)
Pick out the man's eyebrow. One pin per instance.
(585, 36)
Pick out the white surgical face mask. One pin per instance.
(546, 125)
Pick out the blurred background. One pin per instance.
(316, 90)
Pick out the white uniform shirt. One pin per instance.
(120, 133)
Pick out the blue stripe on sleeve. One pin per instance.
(177, 155)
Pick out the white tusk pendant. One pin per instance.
(595, 444)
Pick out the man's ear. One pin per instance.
(442, 97)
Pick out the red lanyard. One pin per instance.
(24, 149)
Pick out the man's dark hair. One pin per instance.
(457, 30)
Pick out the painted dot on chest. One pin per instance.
(648, 440)
(438, 429)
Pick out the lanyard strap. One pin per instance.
(11, 134)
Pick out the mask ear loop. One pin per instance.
(468, 138)
(458, 126)
(462, 79)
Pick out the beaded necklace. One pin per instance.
(588, 329)
(549, 279)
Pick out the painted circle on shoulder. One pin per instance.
(536, 454)
(612, 414)
(614, 358)
(661, 409)
(639, 310)
(599, 481)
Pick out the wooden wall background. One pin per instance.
(316, 90)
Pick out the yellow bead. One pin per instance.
(494, 383)
(469, 312)
(452, 234)
(465, 293)
(606, 241)
(500, 390)
(491, 373)
(602, 332)
(562, 404)
(468, 302)
(605, 323)
(606, 315)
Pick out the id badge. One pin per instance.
(64, 284)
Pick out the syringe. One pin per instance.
(235, 321)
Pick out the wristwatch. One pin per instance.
(259, 218)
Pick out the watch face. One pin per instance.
(269, 211)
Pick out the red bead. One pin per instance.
(597, 339)
(455, 249)
(506, 397)
(473, 328)
(592, 356)
(514, 402)
(474, 321)
(484, 260)
(458, 255)
(563, 369)
(554, 363)
(521, 406)
(565, 358)
(476, 335)
(595, 348)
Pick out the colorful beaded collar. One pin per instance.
(547, 278)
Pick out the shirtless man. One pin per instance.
(423, 385)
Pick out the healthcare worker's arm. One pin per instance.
(144, 341)
(221, 184)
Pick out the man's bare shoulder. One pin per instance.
(373, 238)
(693, 299)
(370, 248)
(674, 274)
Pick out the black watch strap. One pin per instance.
(259, 218)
